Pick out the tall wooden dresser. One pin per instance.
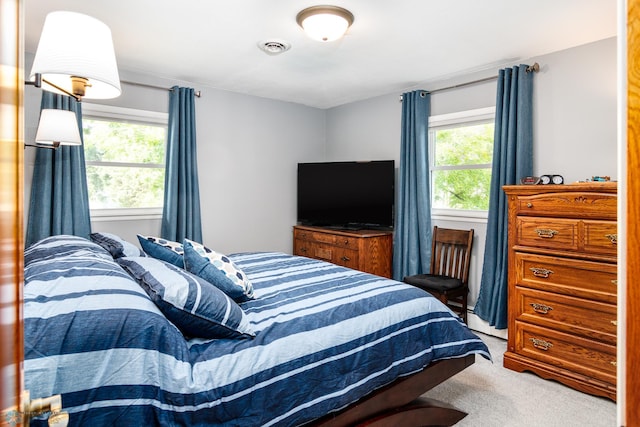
(562, 284)
(365, 250)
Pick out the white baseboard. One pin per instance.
(477, 324)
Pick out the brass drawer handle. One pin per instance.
(541, 344)
(614, 322)
(546, 233)
(615, 282)
(614, 363)
(540, 308)
(345, 258)
(613, 238)
(541, 272)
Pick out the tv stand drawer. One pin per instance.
(366, 250)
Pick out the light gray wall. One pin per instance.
(575, 129)
(575, 98)
(248, 149)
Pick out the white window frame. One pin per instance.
(128, 115)
(479, 115)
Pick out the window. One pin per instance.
(125, 154)
(461, 152)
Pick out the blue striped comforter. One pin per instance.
(325, 337)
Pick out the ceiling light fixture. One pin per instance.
(325, 23)
(56, 128)
(75, 57)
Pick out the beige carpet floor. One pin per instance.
(497, 397)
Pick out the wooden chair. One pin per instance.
(449, 273)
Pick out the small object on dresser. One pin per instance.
(600, 178)
(551, 179)
(530, 180)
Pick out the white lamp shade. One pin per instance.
(73, 44)
(58, 127)
(325, 23)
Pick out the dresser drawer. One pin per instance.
(313, 236)
(325, 252)
(301, 247)
(346, 241)
(580, 355)
(346, 257)
(583, 279)
(601, 237)
(591, 319)
(551, 233)
(571, 204)
(313, 249)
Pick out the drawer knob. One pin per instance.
(614, 363)
(303, 250)
(346, 242)
(345, 258)
(614, 282)
(541, 272)
(529, 205)
(614, 322)
(540, 308)
(613, 238)
(541, 344)
(546, 233)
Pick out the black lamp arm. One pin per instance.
(54, 146)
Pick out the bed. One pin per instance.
(129, 337)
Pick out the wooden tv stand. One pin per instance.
(365, 250)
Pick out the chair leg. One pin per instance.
(464, 308)
(443, 298)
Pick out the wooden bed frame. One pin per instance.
(400, 404)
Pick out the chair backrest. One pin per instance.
(451, 253)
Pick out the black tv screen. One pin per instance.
(346, 194)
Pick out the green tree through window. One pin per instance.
(461, 166)
(125, 163)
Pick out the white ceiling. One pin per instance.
(393, 45)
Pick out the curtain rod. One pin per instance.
(530, 69)
(196, 93)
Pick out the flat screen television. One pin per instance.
(346, 194)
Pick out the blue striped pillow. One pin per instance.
(62, 245)
(195, 306)
(116, 246)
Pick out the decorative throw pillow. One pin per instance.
(116, 246)
(217, 269)
(163, 249)
(195, 306)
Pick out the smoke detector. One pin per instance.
(274, 47)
